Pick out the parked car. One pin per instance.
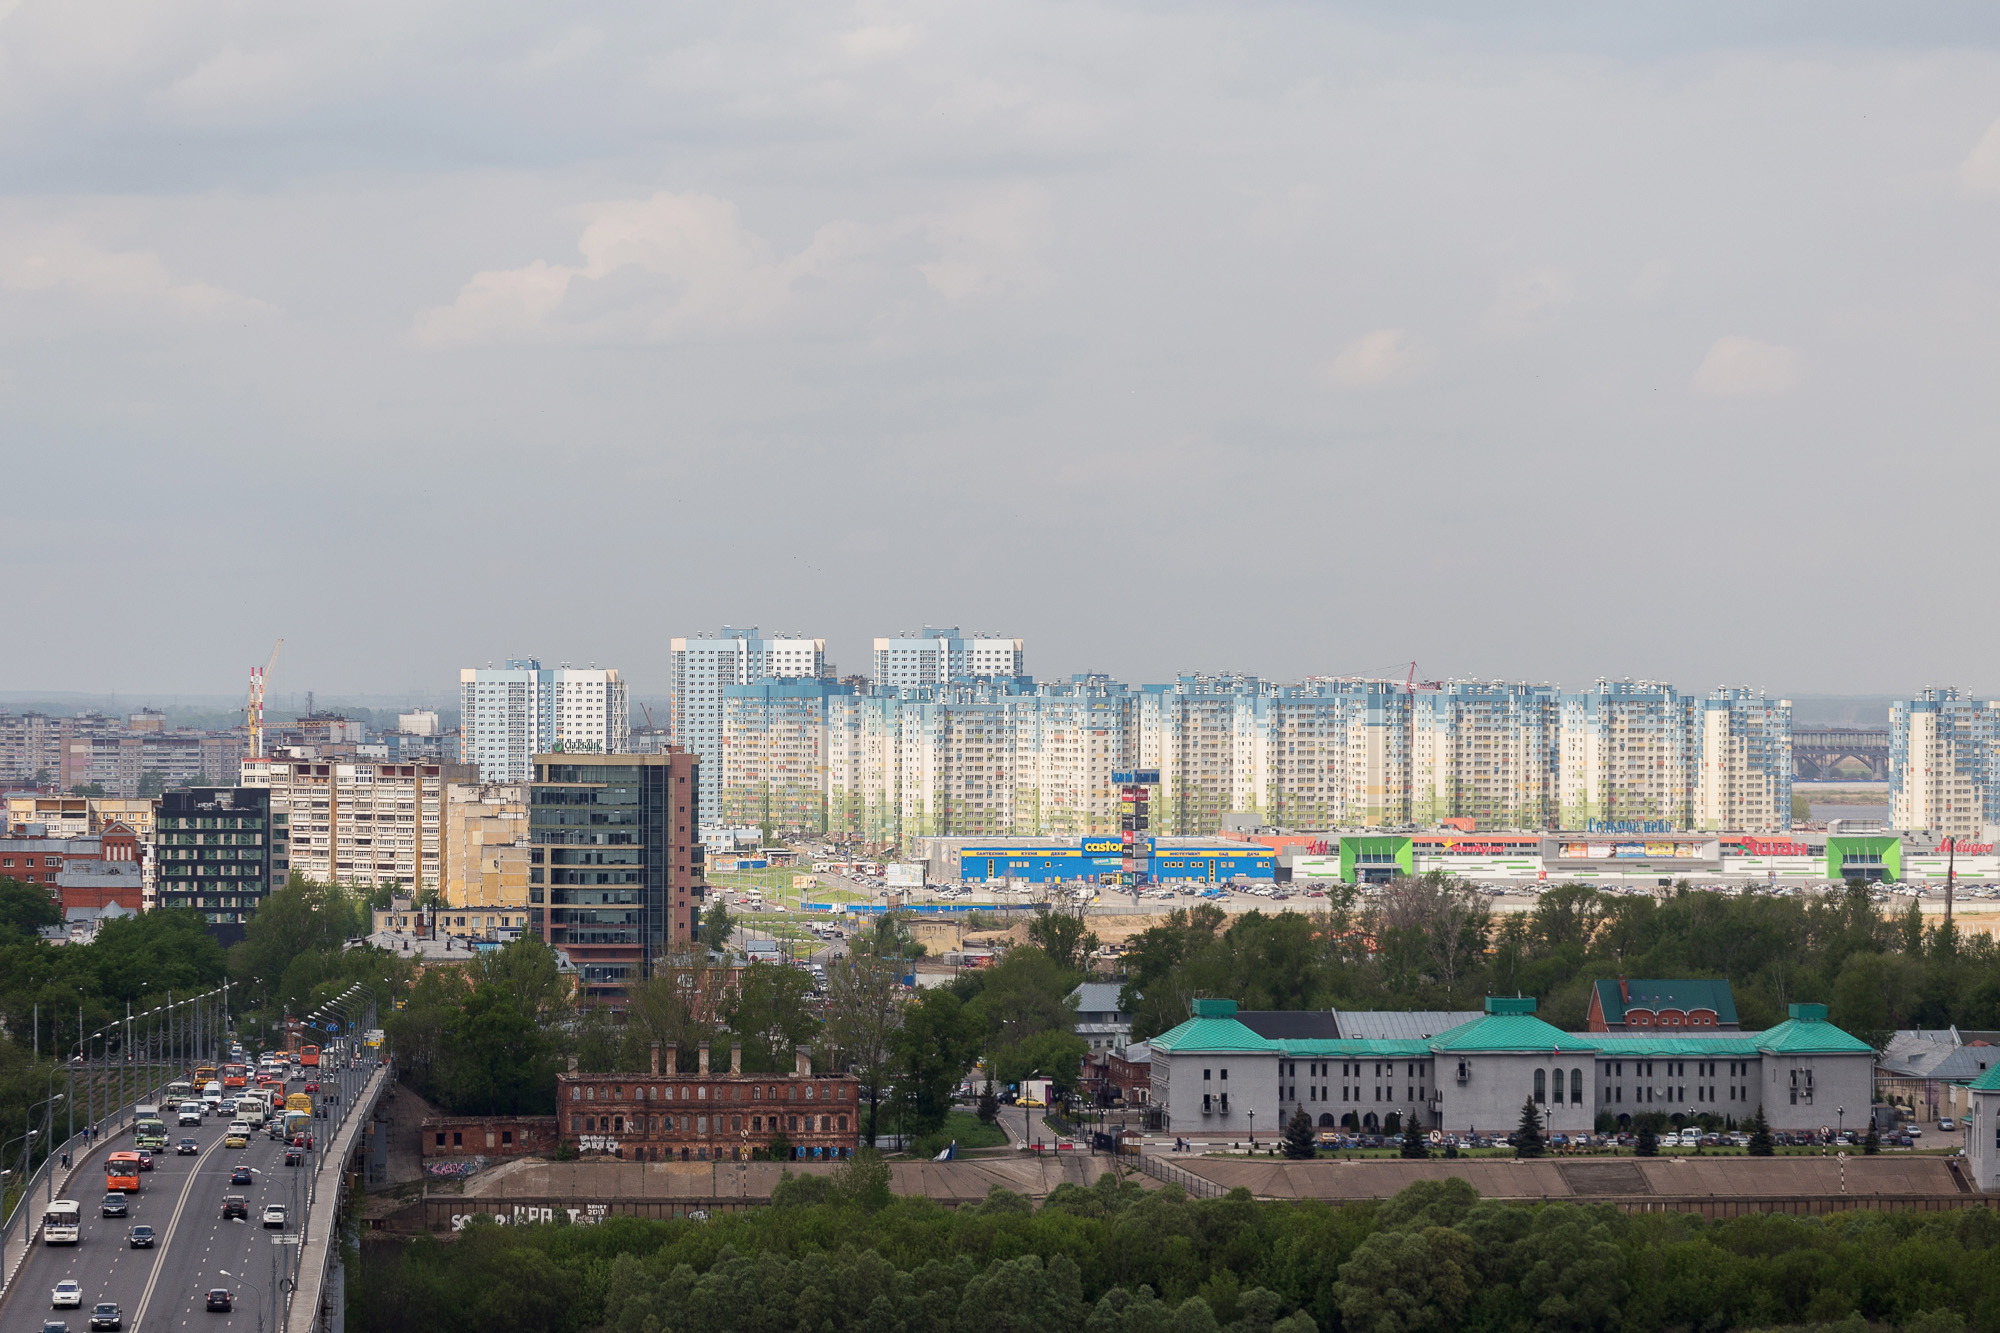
(1946, 1123)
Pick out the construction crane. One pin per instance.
(1411, 684)
(256, 705)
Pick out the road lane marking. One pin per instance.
(146, 1296)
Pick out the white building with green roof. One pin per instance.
(1982, 1130)
(1213, 1076)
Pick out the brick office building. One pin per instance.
(708, 1116)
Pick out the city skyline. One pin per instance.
(1514, 346)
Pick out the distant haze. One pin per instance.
(1538, 343)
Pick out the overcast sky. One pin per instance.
(1284, 338)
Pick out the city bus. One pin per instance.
(121, 1172)
(62, 1222)
(309, 1056)
(235, 1076)
(204, 1075)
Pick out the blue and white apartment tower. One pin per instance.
(703, 667)
(507, 714)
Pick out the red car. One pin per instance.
(312, 1087)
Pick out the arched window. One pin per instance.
(1576, 1087)
(1542, 1085)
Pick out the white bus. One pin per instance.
(62, 1224)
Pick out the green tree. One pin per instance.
(1407, 1282)
(717, 926)
(1064, 938)
(1648, 1142)
(771, 1011)
(937, 1042)
(1528, 1140)
(1300, 1144)
(863, 1013)
(26, 908)
(989, 1105)
(1414, 1145)
(1760, 1135)
(1871, 1142)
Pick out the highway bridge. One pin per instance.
(278, 1274)
(1819, 753)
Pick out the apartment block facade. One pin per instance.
(486, 845)
(508, 714)
(359, 823)
(220, 851)
(1944, 774)
(935, 656)
(700, 669)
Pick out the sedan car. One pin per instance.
(145, 1159)
(55, 1326)
(294, 1156)
(219, 1300)
(274, 1215)
(106, 1317)
(240, 1176)
(114, 1204)
(68, 1295)
(140, 1237)
(187, 1147)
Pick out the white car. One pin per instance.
(274, 1215)
(190, 1113)
(68, 1295)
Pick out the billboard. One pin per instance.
(1104, 846)
(904, 875)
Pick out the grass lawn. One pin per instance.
(968, 1129)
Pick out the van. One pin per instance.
(211, 1094)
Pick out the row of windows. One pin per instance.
(655, 1092)
(656, 1124)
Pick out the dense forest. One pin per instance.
(840, 1253)
(1432, 943)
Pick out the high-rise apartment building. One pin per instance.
(937, 655)
(1626, 755)
(359, 822)
(510, 713)
(1942, 763)
(1743, 777)
(1485, 751)
(700, 670)
(218, 850)
(615, 874)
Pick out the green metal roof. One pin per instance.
(1809, 1036)
(1411, 1048)
(1683, 994)
(1987, 1082)
(1510, 1032)
(1214, 1034)
(1621, 1046)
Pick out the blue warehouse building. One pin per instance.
(1100, 857)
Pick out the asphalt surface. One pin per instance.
(165, 1289)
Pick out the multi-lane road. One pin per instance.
(164, 1289)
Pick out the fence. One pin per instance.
(1160, 1169)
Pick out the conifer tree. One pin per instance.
(1300, 1145)
(1414, 1146)
(1528, 1140)
(1760, 1135)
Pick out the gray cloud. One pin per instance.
(481, 329)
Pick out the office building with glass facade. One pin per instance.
(214, 851)
(615, 864)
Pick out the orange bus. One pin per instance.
(121, 1172)
(203, 1076)
(309, 1056)
(235, 1076)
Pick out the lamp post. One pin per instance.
(1253, 1130)
(1840, 1124)
(254, 1287)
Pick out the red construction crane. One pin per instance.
(1411, 684)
